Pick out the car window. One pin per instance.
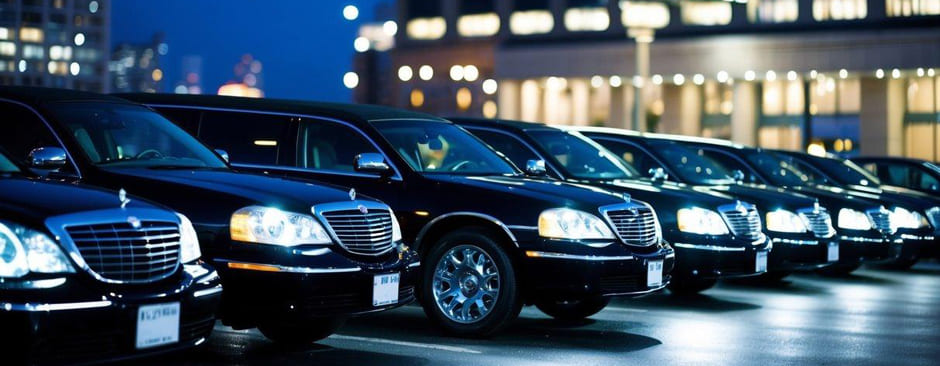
(690, 164)
(579, 157)
(779, 171)
(330, 146)
(631, 154)
(23, 131)
(509, 146)
(7, 166)
(438, 147)
(812, 174)
(187, 119)
(843, 172)
(905, 175)
(729, 163)
(249, 138)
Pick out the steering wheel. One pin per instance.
(149, 154)
(466, 163)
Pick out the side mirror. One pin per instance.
(535, 167)
(738, 176)
(371, 163)
(658, 174)
(47, 158)
(222, 154)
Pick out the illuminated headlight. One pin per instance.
(565, 223)
(23, 251)
(396, 229)
(697, 220)
(785, 222)
(267, 225)
(906, 219)
(189, 242)
(853, 220)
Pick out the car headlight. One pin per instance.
(189, 241)
(785, 222)
(702, 221)
(566, 223)
(268, 225)
(23, 251)
(906, 219)
(854, 220)
(396, 228)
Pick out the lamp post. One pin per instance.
(643, 37)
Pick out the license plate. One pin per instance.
(654, 274)
(385, 289)
(833, 252)
(761, 262)
(158, 325)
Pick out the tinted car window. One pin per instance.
(330, 146)
(437, 147)
(7, 166)
(631, 154)
(780, 172)
(514, 149)
(579, 157)
(729, 163)
(844, 172)
(690, 164)
(908, 176)
(188, 119)
(248, 138)
(23, 131)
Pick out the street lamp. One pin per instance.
(641, 19)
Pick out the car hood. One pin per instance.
(669, 195)
(835, 198)
(547, 191)
(765, 197)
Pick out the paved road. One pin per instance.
(875, 317)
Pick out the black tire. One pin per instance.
(300, 333)
(508, 302)
(690, 286)
(838, 269)
(569, 310)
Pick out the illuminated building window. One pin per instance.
(417, 98)
(907, 8)
(839, 9)
(587, 19)
(464, 99)
(781, 115)
(642, 14)
(922, 136)
(773, 11)
(6, 33)
(478, 18)
(7, 48)
(31, 51)
(531, 17)
(31, 35)
(705, 13)
(425, 20)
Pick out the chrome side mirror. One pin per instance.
(371, 163)
(535, 167)
(48, 158)
(658, 174)
(738, 176)
(222, 154)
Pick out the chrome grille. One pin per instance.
(364, 233)
(118, 252)
(743, 219)
(818, 221)
(635, 226)
(881, 220)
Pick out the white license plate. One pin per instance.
(385, 289)
(761, 262)
(833, 252)
(158, 325)
(654, 274)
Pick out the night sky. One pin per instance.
(305, 45)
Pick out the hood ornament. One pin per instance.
(738, 206)
(122, 196)
(352, 194)
(626, 197)
(816, 207)
(363, 209)
(135, 222)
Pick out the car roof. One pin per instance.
(359, 112)
(505, 123)
(653, 135)
(37, 95)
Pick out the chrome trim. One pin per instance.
(209, 291)
(54, 307)
(644, 292)
(304, 170)
(320, 209)
(891, 229)
(670, 255)
(861, 239)
(57, 226)
(592, 258)
(523, 227)
(397, 175)
(714, 248)
(916, 237)
(795, 241)
(32, 285)
(818, 210)
(288, 269)
(489, 218)
(627, 206)
(51, 131)
(723, 211)
(414, 265)
(312, 252)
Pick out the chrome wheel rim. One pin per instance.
(466, 284)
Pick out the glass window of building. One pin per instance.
(773, 11)
(531, 17)
(835, 104)
(839, 9)
(644, 14)
(705, 13)
(922, 119)
(716, 121)
(478, 18)
(425, 20)
(781, 114)
(587, 15)
(29, 34)
(907, 8)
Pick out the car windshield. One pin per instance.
(128, 136)
(442, 148)
(691, 165)
(7, 166)
(580, 157)
(777, 170)
(843, 172)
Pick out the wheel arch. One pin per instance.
(441, 225)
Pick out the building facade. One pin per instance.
(55, 43)
(847, 76)
(135, 68)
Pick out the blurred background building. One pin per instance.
(248, 79)
(136, 67)
(846, 76)
(55, 43)
(192, 76)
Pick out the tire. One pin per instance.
(690, 286)
(447, 258)
(573, 309)
(302, 333)
(838, 269)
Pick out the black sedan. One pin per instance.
(711, 237)
(94, 275)
(490, 239)
(296, 258)
(916, 174)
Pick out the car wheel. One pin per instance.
(300, 333)
(470, 287)
(573, 309)
(838, 269)
(690, 286)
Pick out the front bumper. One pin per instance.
(803, 252)
(864, 247)
(82, 321)
(917, 243)
(709, 256)
(309, 284)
